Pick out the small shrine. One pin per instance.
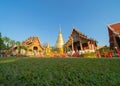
(114, 35)
(47, 49)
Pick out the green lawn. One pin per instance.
(59, 72)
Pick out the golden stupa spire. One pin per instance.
(60, 40)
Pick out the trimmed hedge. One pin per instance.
(89, 55)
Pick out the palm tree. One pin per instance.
(12, 43)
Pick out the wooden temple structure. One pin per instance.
(33, 44)
(114, 35)
(79, 42)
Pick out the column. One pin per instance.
(89, 45)
(81, 46)
(72, 43)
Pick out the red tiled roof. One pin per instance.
(115, 27)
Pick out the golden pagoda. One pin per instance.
(60, 42)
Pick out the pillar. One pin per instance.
(72, 43)
(81, 46)
(89, 45)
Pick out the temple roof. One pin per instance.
(81, 35)
(30, 41)
(115, 28)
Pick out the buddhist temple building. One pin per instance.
(33, 44)
(60, 42)
(114, 35)
(79, 42)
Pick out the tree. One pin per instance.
(17, 43)
(96, 43)
(6, 41)
(12, 43)
(2, 46)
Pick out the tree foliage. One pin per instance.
(9, 42)
(2, 46)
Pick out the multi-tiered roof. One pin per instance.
(114, 35)
(32, 42)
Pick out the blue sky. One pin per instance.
(20, 19)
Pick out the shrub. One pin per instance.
(89, 55)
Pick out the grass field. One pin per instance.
(59, 72)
